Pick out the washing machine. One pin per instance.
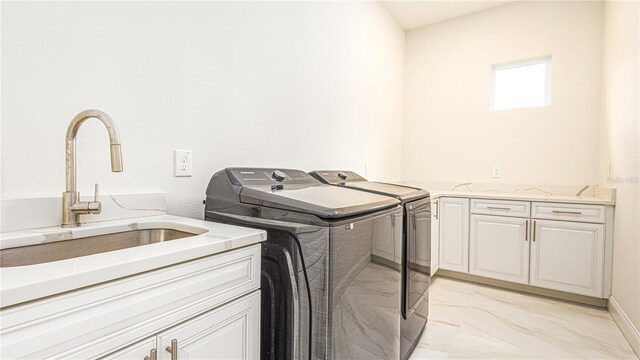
(331, 264)
(416, 248)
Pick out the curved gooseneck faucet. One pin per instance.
(72, 207)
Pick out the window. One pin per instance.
(521, 84)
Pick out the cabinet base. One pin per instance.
(560, 295)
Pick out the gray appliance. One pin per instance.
(325, 295)
(416, 248)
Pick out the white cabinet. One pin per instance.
(229, 332)
(499, 248)
(454, 234)
(559, 246)
(108, 318)
(568, 256)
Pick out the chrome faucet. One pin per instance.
(72, 207)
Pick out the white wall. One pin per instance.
(300, 85)
(620, 135)
(450, 134)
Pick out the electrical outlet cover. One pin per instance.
(183, 163)
(497, 171)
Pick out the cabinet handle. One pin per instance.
(534, 231)
(153, 355)
(526, 230)
(567, 212)
(173, 349)
(498, 208)
(437, 213)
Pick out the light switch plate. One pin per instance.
(183, 163)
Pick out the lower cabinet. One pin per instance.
(229, 332)
(210, 306)
(568, 256)
(557, 246)
(499, 248)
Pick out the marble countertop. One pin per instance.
(594, 195)
(24, 283)
(525, 197)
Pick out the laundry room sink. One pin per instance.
(89, 245)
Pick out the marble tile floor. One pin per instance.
(473, 321)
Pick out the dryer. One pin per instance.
(416, 248)
(325, 294)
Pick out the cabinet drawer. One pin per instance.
(569, 212)
(500, 207)
(98, 320)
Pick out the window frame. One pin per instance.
(516, 64)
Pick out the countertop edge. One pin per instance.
(35, 287)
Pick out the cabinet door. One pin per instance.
(454, 234)
(231, 331)
(499, 248)
(568, 256)
(435, 236)
(137, 351)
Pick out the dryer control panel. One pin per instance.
(336, 176)
(269, 176)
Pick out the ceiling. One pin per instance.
(415, 14)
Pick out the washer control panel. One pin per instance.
(267, 176)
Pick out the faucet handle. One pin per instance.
(88, 207)
(95, 207)
(96, 194)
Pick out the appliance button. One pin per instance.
(342, 176)
(278, 175)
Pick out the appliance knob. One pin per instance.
(342, 176)
(278, 175)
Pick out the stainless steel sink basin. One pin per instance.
(68, 249)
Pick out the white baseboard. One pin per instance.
(626, 326)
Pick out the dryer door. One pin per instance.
(416, 254)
